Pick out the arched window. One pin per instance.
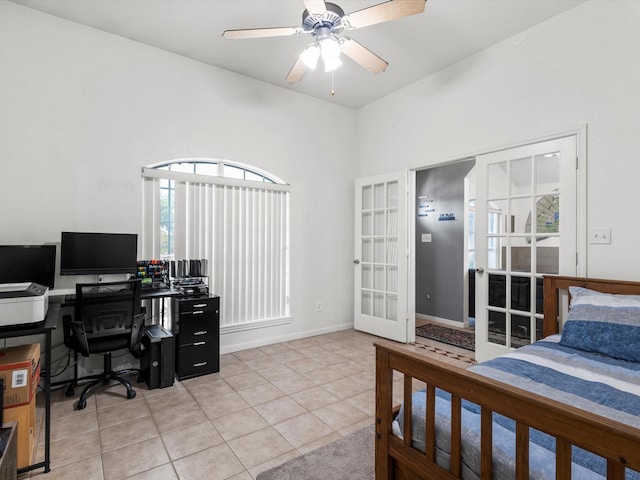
(237, 218)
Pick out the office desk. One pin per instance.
(41, 328)
(159, 294)
(151, 293)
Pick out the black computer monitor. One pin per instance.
(83, 253)
(28, 263)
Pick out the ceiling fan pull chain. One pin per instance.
(333, 77)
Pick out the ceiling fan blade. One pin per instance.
(315, 6)
(383, 12)
(261, 32)
(297, 71)
(363, 56)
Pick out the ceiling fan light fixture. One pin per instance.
(310, 55)
(330, 52)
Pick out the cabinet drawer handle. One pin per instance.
(201, 364)
(201, 332)
(200, 305)
(197, 312)
(199, 343)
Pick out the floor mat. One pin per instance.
(451, 336)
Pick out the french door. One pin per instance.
(381, 256)
(525, 227)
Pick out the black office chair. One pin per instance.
(108, 317)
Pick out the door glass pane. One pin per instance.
(392, 307)
(366, 276)
(539, 335)
(521, 176)
(520, 330)
(367, 254)
(367, 223)
(539, 297)
(520, 257)
(497, 325)
(521, 293)
(366, 302)
(367, 198)
(547, 171)
(392, 251)
(378, 250)
(378, 195)
(497, 180)
(392, 222)
(392, 194)
(496, 253)
(379, 222)
(378, 277)
(392, 279)
(521, 215)
(547, 214)
(497, 291)
(548, 259)
(378, 304)
(497, 217)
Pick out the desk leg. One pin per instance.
(47, 403)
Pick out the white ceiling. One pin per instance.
(415, 47)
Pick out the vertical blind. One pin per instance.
(241, 227)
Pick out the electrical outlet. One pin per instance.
(319, 306)
(600, 235)
(428, 296)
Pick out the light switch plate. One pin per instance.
(600, 235)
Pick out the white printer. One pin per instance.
(22, 303)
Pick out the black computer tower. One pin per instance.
(158, 357)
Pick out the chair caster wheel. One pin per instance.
(81, 405)
(69, 392)
(131, 394)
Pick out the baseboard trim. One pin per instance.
(444, 321)
(236, 347)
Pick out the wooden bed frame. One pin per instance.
(395, 458)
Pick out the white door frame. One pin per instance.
(580, 133)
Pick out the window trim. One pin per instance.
(154, 172)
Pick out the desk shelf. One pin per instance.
(45, 328)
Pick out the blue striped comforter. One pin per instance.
(598, 384)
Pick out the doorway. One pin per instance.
(516, 247)
(440, 250)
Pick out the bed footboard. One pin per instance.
(397, 459)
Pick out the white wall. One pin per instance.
(81, 111)
(578, 68)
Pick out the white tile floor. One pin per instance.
(266, 406)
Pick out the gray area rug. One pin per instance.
(350, 458)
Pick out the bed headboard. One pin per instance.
(557, 286)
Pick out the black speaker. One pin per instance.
(158, 357)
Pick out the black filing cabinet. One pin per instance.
(196, 328)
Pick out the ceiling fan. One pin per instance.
(324, 21)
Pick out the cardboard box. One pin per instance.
(20, 370)
(25, 416)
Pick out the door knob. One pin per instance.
(480, 271)
(356, 261)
